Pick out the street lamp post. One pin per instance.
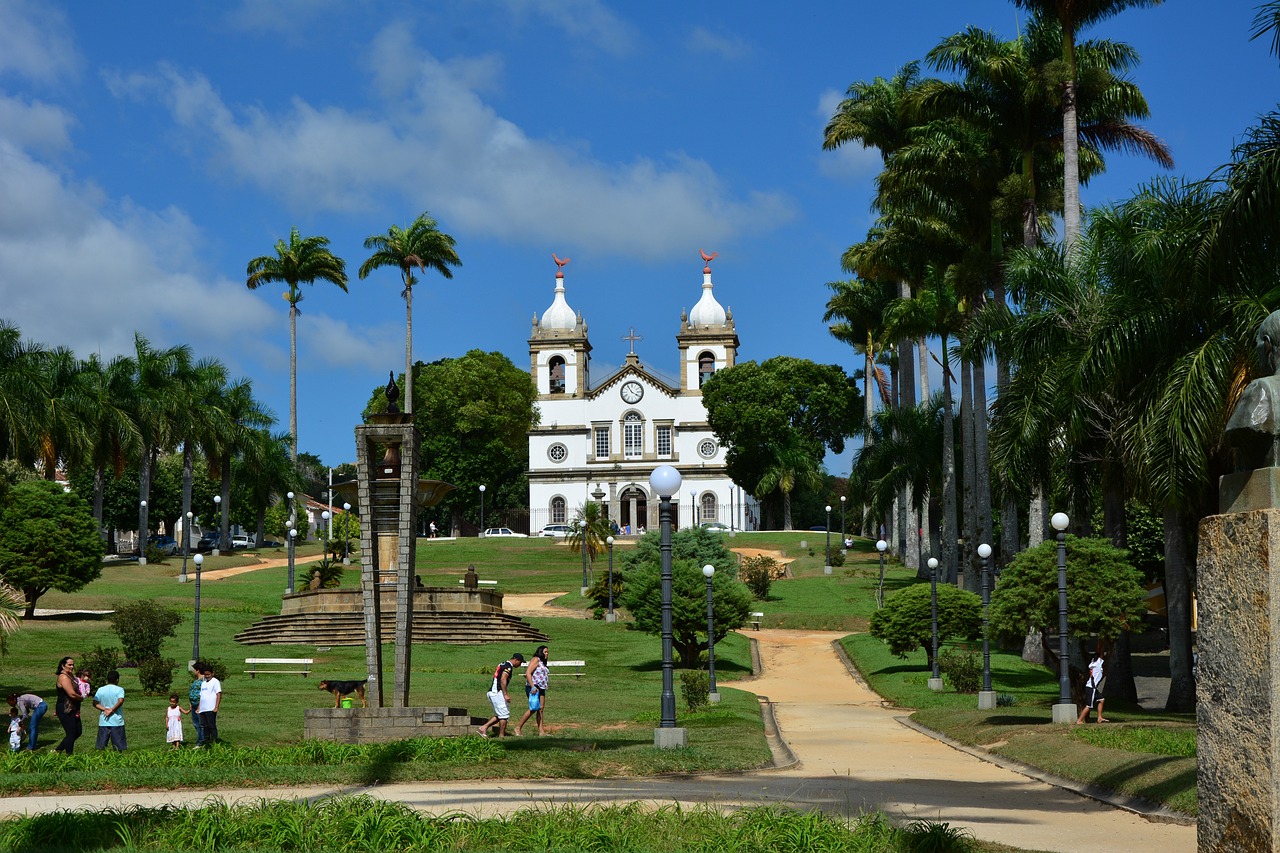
(826, 564)
(195, 646)
(843, 548)
(289, 534)
(986, 696)
(665, 482)
(346, 535)
(709, 572)
(142, 533)
(186, 541)
(1065, 709)
(326, 516)
(610, 616)
(293, 533)
(217, 512)
(935, 680)
(881, 545)
(482, 509)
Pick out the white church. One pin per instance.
(601, 441)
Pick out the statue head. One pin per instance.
(1268, 342)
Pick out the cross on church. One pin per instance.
(633, 337)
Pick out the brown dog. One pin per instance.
(340, 689)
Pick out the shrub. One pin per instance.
(598, 592)
(906, 620)
(100, 661)
(758, 574)
(154, 554)
(142, 626)
(331, 572)
(219, 668)
(695, 687)
(156, 675)
(643, 600)
(962, 670)
(837, 558)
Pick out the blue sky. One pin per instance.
(149, 150)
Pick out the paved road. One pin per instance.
(853, 755)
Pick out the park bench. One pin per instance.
(482, 583)
(579, 665)
(255, 665)
(755, 619)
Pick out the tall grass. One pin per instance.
(363, 823)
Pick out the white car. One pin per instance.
(241, 541)
(556, 530)
(503, 531)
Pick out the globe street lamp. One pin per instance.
(346, 535)
(142, 533)
(709, 572)
(881, 545)
(665, 482)
(987, 696)
(826, 566)
(324, 518)
(293, 533)
(935, 680)
(217, 511)
(843, 548)
(1065, 710)
(186, 541)
(195, 646)
(482, 509)
(610, 617)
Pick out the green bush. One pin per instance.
(962, 670)
(154, 554)
(99, 661)
(219, 668)
(598, 592)
(142, 626)
(906, 620)
(757, 573)
(837, 558)
(695, 687)
(156, 675)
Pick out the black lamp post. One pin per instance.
(217, 513)
(935, 680)
(142, 533)
(346, 534)
(289, 534)
(843, 548)
(610, 617)
(1065, 710)
(987, 697)
(195, 646)
(665, 482)
(709, 572)
(881, 545)
(826, 566)
(482, 509)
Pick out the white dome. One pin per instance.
(559, 316)
(708, 312)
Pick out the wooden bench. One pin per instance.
(755, 620)
(482, 583)
(579, 665)
(254, 663)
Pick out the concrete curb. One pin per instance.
(1134, 805)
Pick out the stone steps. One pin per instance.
(347, 629)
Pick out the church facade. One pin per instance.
(601, 441)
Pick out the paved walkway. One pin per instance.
(853, 755)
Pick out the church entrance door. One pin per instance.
(633, 511)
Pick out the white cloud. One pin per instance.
(849, 162)
(279, 16)
(33, 41)
(727, 47)
(587, 20)
(442, 148)
(34, 125)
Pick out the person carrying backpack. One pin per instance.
(498, 696)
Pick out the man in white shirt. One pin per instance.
(210, 702)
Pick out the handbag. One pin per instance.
(535, 701)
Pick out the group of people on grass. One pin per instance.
(535, 688)
(73, 688)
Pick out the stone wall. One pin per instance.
(377, 725)
(428, 600)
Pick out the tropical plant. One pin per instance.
(587, 533)
(303, 260)
(421, 246)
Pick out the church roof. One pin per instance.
(559, 317)
(708, 312)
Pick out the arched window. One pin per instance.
(706, 367)
(559, 512)
(708, 508)
(632, 435)
(557, 374)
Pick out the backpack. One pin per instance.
(496, 686)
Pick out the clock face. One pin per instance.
(632, 392)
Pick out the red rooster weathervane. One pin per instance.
(559, 265)
(708, 258)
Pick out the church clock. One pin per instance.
(632, 391)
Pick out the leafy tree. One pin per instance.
(690, 543)
(143, 626)
(1105, 594)
(48, 540)
(303, 260)
(906, 620)
(587, 533)
(642, 596)
(423, 246)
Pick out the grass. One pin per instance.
(1148, 754)
(362, 823)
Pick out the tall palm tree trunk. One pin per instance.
(1177, 596)
(949, 531)
(969, 523)
(144, 493)
(293, 379)
(981, 455)
(1070, 161)
(408, 349)
(1120, 683)
(224, 523)
(99, 490)
(188, 473)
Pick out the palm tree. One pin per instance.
(791, 463)
(303, 260)
(242, 416)
(856, 314)
(1073, 16)
(20, 380)
(265, 470)
(587, 534)
(420, 246)
(107, 403)
(157, 408)
(61, 430)
(1267, 20)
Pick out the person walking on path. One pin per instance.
(67, 706)
(210, 702)
(498, 696)
(173, 722)
(535, 676)
(1093, 688)
(109, 700)
(31, 708)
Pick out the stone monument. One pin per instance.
(1238, 669)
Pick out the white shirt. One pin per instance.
(1095, 673)
(209, 690)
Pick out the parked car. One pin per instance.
(557, 530)
(208, 541)
(503, 531)
(241, 541)
(718, 526)
(164, 544)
